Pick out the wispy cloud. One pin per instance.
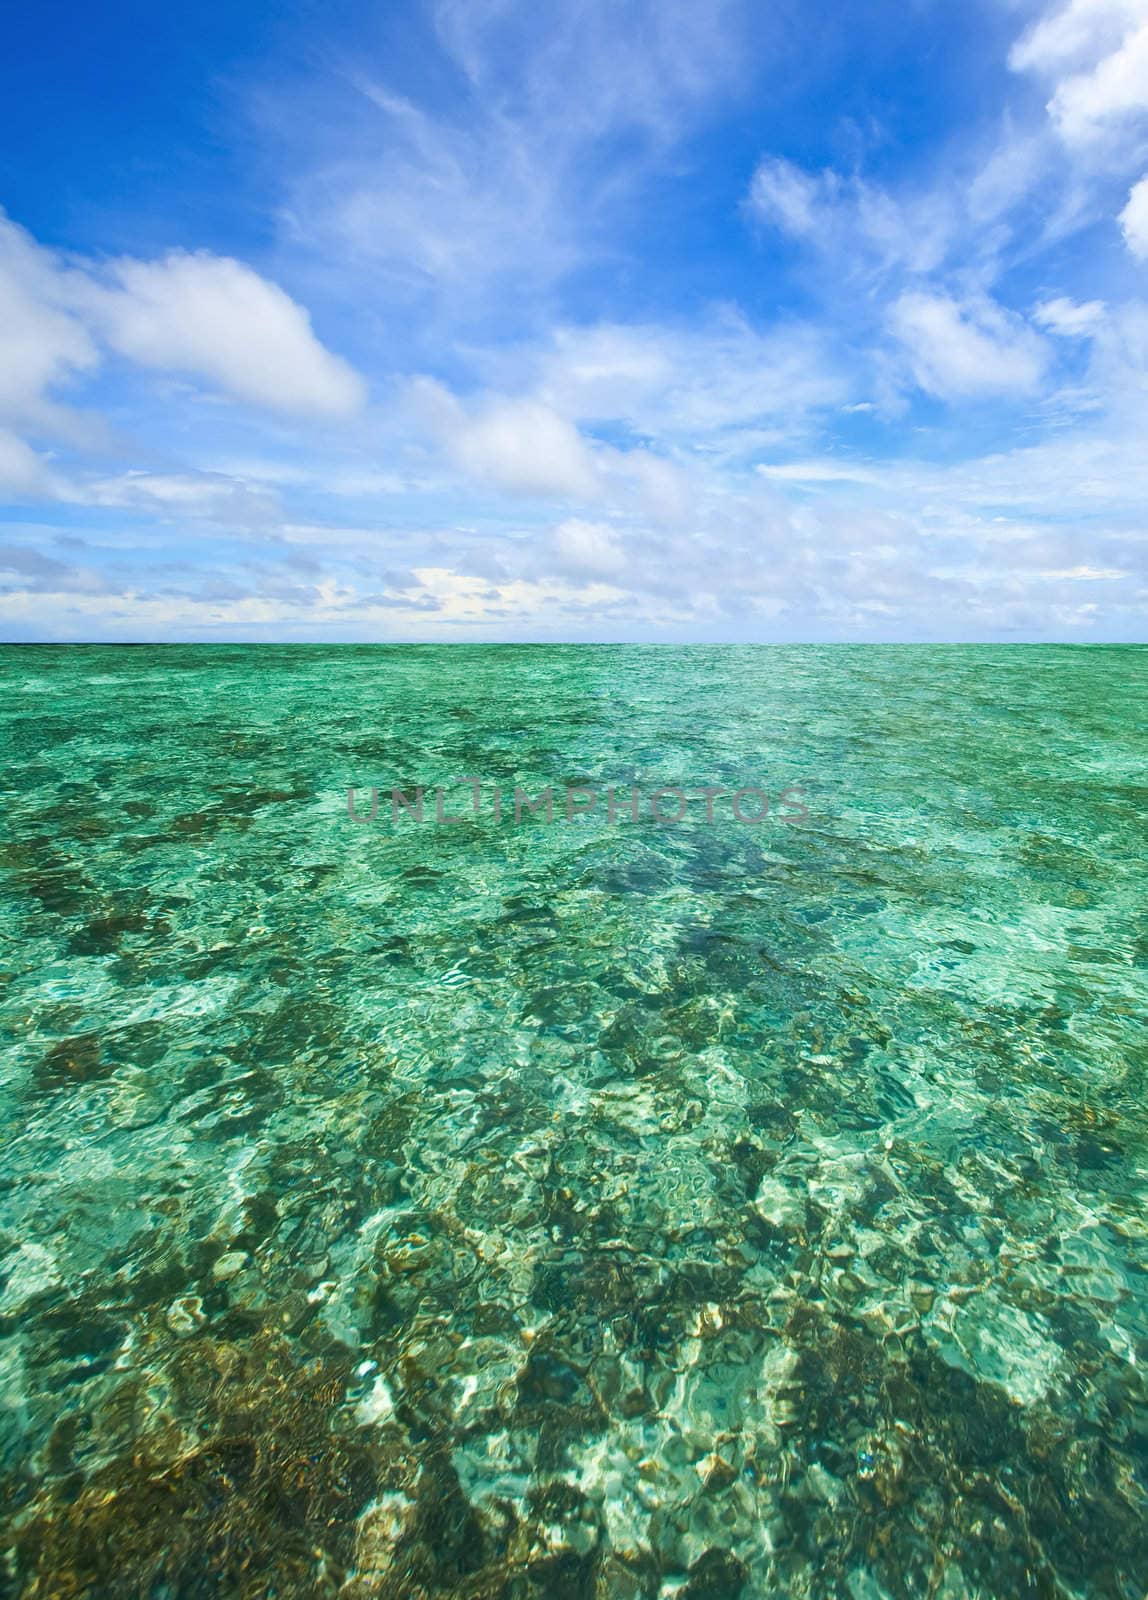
(960, 350)
(526, 168)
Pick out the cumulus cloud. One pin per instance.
(1134, 220)
(43, 345)
(1094, 53)
(531, 445)
(1115, 90)
(1074, 34)
(23, 474)
(217, 319)
(519, 444)
(589, 548)
(960, 351)
(205, 315)
(196, 313)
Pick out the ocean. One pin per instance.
(574, 1121)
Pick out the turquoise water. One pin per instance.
(574, 1209)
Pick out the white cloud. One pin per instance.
(31, 569)
(42, 345)
(659, 488)
(1006, 176)
(217, 319)
(689, 385)
(196, 313)
(188, 496)
(531, 444)
(525, 446)
(959, 351)
(1070, 320)
(463, 597)
(1134, 220)
(859, 225)
(1085, 574)
(22, 471)
(818, 472)
(1095, 55)
(1074, 35)
(791, 199)
(588, 548)
(1115, 90)
(519, 444)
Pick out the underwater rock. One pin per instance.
(186, 1316)
(229, 1266)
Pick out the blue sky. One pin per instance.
(617, 319)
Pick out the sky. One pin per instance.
(574, 319)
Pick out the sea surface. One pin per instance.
(587, 1208)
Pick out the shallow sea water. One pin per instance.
(574, 1209)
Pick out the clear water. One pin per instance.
(522, 1209)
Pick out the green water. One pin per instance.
(571, 1209)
